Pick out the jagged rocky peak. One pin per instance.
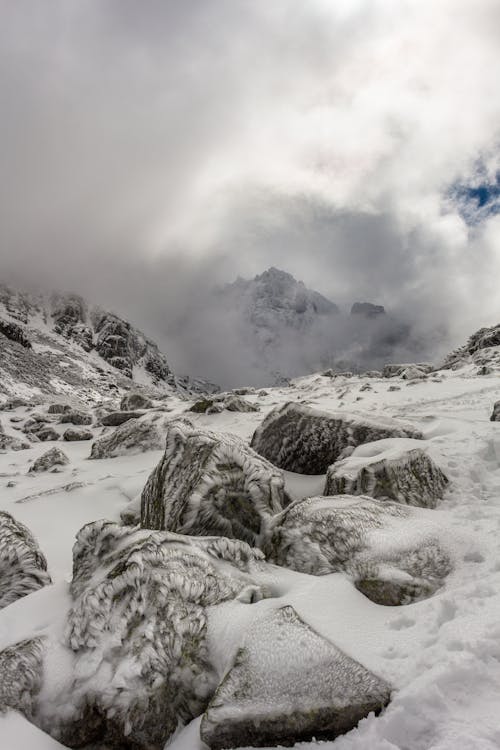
(367, 309)
(482, 349)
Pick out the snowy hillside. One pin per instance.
(59, 344)
(372, 615)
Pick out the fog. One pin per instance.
(151, 151)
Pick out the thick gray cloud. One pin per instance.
(151, 149)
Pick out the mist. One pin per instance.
(152, 151)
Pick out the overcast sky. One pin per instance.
(151, 148)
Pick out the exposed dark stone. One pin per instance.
(15, 333)
(73, 434)
(495, 415)
(76, 417)
(47, 433)
(116, 418)
(134, 400)
(52, 458)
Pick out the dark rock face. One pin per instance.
(47, 433)
(132, 401)
(300, 439)
(116, 418)
(70, 315)
(322, 535)
(208, 483)
(410, 477)
(313, 690)
(15, 333)
(495, 415)
(367, 309)
(76, 418)
(132, 437)
(72, 435)
(23, 567)
(50, 460)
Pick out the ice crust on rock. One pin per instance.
(23, 567)
(321, 535)
(210, 483)
(286, 684)
(132, 437)
(304, 440)
(405, 476)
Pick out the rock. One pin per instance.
(14, 403)
(47, 433)
(391, 554)
(72, 435)
(10, 443)
(59, 409)
(35, 423)
(413, 373)
(300, 439)
(230, 401)
(367, 310)
(201, 406)
(152, 593)
(76, 418)
(211, 484)
(132, 437)
(134, 400)
(116, 418)
(495, 415)
(70, 315)
(288, 684)
(23, 567)
(393, 370)
(50, 459)
(394, 388)
(405, 476)
(14, 332)
(236, 403)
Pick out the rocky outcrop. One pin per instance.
(116, 418)
(306, 441)
(481, 349)
(495, 415)
(70, 314)
(14, 332)
(59, 409)
(76, 417)
(132, 437)
(419, 369)
(231, 402)
(313, 690)
(323, 535)
(50, 461)
(405, 476)
(208, 483)
(367, 309)
(23, 567)
(134, 400)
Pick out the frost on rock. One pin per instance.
(217, 404)
(132, 437)
(377, 544)
(495, 416)
(21, 667)
(288, 684)
(23, 567)
(135, 400)
(405, 476)
(50, 460)
(306, 441)
(116, 418)
(76, 418)
(11, 443)
(209, 483)
(137, 630)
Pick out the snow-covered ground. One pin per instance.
(441, 655)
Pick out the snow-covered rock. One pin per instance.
(116, 418)
(396, 370)
(49, 460)
(135, 400)
(396, 473)
(11, 443)
(217, 404)
(287, 683)
(209, 483)
(23, 567)
(400, 564)
(72, 434)
(299, 438)
(76, 417)
(132, 437)
(495, 415)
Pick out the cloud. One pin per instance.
(153, 149)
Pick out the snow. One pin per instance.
(441, 655)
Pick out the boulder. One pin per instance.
(14, 332)
(393, 473)
(208, 483)
(49, 460)
(306, 441)
(391, 553)
(495, 415)
(117, 418)
(11, 443)
(59, 409)
(395, 370)
(47, 433)
(73, 434)
(230, 401)
(134, 400)
(288, 684)
(76, 418)
(132, 437)
(23, 567)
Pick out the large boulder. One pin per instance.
(23, 567)
(132, 437)
(50, 460)
(217, 404)
(46, 433)
(116, 418)
(76, 418)
(289, 684)
(11, 443)
(73, 434)
(389, 472)
(208, 483)
(391, 553)
(59, 408)
(495, 415)
(134, 400)
(306, 441)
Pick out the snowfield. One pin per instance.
(441, 655)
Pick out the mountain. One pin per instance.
(57, 343)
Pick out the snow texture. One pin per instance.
(211, 484)
(299, 438)
(23, 567)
